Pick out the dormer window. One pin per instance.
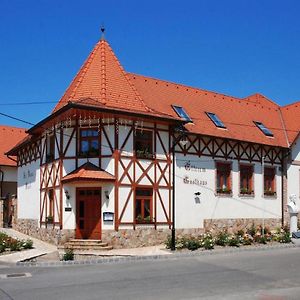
(215, 119)
(182, 113)
(263, 128)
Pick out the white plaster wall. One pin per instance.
(293, 172)
(10, 173)
(29, 191)
(72, 147)
(191, 212)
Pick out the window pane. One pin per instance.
(94, 145)
(84, 133)
(143, 192)
(138, 209)
(182, 113)
(84, 146)
(146, 208)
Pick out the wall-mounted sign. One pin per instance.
(27, 174)
(108, 216)
(190, 167)
(68, 208)
(195, 181)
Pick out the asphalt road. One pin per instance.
(265, 275)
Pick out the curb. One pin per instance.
(120, 259)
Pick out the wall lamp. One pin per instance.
(67, 194)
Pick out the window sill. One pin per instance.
(270, 196)
(242, 195)
(219, 194)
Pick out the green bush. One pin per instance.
(284, 238)
(262, 240)
(234, 241)
(14, 245)
(168, 242)
(208, 242)
(222, 238)
(193, 244)
(69, 255)
(28, 244)
(247, 239)
(252, 230)
(2, 246)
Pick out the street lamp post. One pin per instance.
(181, 139)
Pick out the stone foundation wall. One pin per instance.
(140, 237)
(233, 225)
(52, 235)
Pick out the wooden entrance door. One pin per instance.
(88, 213)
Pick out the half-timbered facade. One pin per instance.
(102, 165)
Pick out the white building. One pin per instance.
(100, 166)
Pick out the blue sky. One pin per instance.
(234, 47)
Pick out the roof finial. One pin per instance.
(102, 30)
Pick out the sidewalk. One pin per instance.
(49, 253)
(40, 248)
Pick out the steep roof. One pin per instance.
(9, 137)
(238, 115)
(291, 116)
(102, 82)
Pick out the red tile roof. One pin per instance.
(291, 116)
(88, 172)
(102, 82)
(238, 115)
(9, 137)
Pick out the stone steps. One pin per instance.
(84, 245)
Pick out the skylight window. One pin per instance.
(216, 120)
(263, 128)
(182, 113)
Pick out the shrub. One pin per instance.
(28, 244)
(168, 242)
(284, 238)
(193, 244)
(15, 245)
(3, 236)
(240, 232)
(182, 243)
(262, 240)
(252, 230)
(247, 239)
(234, 241)
(69, 255)
(208, 242)
(222, 238)
(2, 246)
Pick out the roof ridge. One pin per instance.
(103, 70)
(129, 81)
(203, 90)
(291, 104)
(284, 126)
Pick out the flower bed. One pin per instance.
(253, 236)
(9, 244)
